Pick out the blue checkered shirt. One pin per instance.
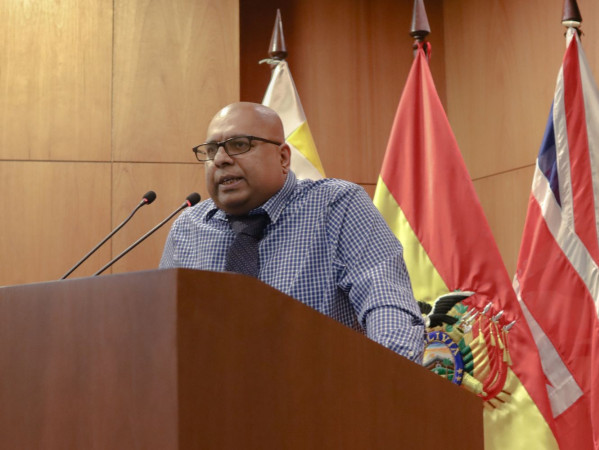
(328, 247)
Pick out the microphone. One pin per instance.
(148, 198)
(191, 200)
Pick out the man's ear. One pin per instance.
(285, 152)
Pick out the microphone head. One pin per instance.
(149, 197)
(193, 199)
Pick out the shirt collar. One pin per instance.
(274, 206)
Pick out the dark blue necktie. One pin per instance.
(243, 254)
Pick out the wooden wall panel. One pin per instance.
(81, 83)
(349, 60)
(504, 198)
(55, 80)
(52, 214)
(172, 184)
(501, 70)
(590, 38)
(176, 64)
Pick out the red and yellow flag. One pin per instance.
(428, 199)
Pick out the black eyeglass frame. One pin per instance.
(202, 156)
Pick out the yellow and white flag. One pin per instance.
(281, 96)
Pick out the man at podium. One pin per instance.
(322, 242)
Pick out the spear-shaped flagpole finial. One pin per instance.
(571, 15)
(420, 27)
(277, 49)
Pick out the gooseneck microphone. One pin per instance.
(191, 200)
(148, 198)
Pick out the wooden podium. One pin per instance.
(184, 359)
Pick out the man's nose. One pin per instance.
(222, 157)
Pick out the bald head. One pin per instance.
(254, 115)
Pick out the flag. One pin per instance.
(557, 277)
(427, 198)
(282, 96)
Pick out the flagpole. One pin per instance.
(420, 28)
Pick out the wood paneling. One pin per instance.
(176, 64)
(349, 60)
(55, 80)
(590, 18)
(172, 184)
(504, 198)
(81, 82)
(52, 215)
(502, 60)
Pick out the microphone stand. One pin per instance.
(148, 198)
(192, 199)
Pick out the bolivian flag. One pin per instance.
(427, 198)
(281, 96)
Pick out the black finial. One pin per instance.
(571, 13)
(277, 49)
(420, 27)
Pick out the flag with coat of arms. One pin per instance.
(428, 199)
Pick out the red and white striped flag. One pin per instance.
(557, 278)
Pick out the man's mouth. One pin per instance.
(229, 180)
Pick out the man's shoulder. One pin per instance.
(329, 189)
(198, 213)
(328, 185)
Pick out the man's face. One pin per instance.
(241, 183)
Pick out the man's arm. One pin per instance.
(376, 278)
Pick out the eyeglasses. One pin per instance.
(233, 146)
